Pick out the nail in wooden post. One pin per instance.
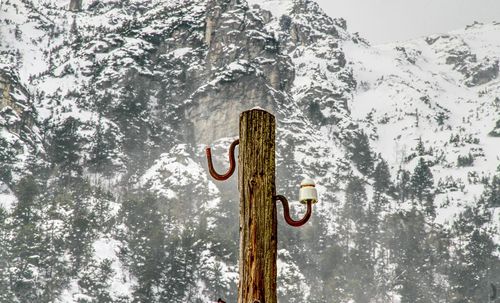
(258, 223)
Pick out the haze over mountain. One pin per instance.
(106, 110)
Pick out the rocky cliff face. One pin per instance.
(15, 103)
(476, 71)
(20, 137)
(75, 5)
(244, 68)
(105, 112)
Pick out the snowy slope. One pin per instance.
(150, 83)
(408, 91)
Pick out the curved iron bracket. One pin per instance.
(232, 162)
(286, 212)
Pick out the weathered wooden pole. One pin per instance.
(258, 222)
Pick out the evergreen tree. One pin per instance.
(7, 156)
(53, 263)
(492, 192)
(332, 273)
(359, 221)
(382, 177)
(355, 200)
(381, 184)
(26, 242)
(360, 153)
(6, 294)
(95, 281)
(26, 191)
(131, 115)
(361, 261)
(103, 150)
(352, 211)
(475, 263)
(413, 255)
(145, 243)
(81, 233)
(291, 283)
(216, 280)
(422, 184)
(403, 185)
(65, 149)
(420, 147)
(53, 266)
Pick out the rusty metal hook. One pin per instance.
(232, 162)
(286, 212)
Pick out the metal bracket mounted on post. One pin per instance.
(232, 163)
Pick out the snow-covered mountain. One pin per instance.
(442, 90)
(106, 109)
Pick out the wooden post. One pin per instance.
(258, 223)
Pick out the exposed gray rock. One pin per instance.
(496, 131)
(75, 5)
(409, 55)
(476, 71)
(481, 73)
(19, 136)
(245, 65)
(16, 112)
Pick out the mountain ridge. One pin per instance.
(127, 95)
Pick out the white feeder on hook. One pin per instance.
(308, 192)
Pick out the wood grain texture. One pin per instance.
(258, 223)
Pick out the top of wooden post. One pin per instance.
(257, 108)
